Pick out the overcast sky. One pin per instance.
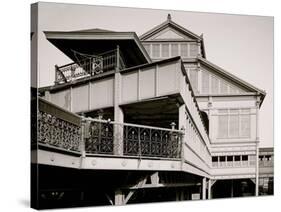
(243, 45)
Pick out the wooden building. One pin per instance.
(143, 119)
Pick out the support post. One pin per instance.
(231, 191)
(204, 188)
(182, 126)
(210, 189)
(257, 146)
(119, 197)
(118, 112)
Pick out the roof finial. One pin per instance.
(169, 18)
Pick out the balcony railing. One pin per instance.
(61, 129)
(131, 140)
(57, 127)
(89, 66)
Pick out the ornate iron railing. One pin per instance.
(104, 137)
(89, 66)
(58, 128)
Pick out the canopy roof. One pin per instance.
(97, 41)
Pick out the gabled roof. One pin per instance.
(232, 77)
(173, 25)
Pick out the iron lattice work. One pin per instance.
(56, 132)
(100, 138)
(104, 137)
(151, 142)
(89, 66)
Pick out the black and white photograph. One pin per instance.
(133, 106)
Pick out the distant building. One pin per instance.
(146, 119)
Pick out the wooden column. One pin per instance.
(257, 146)
(119, 198)
(118, 112)
(210, 189)
(204, 188)
(182, 126)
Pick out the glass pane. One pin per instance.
(147, 48)
(223, 126)
(175, 50)
(165, 50)
(184, 50)
(193, 49)
(234, 126)
(245, 125)
(155, 50)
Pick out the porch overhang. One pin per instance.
(97, 42)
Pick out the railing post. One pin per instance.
(118, 58)
(84, 135)
(56, 74)
(181, 145)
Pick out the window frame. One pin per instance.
(241, 112)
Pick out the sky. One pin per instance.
(241, 44)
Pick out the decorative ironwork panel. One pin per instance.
(148, 142)
(100, 139)
(56, 132)
(89, 66)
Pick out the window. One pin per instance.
(147, 48)
(184, 50)
(223, 126)
(165, 50)
(229, 158)
(194, 78)
(222, 158)
(214, 159)
(244, 157)
(237, 158)
(174, 50)
(234, 123)
(193, 49)
(245, 125)
(155, 50)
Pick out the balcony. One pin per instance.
(89, 66)
(65, 131)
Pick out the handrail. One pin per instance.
(131, 125)
(94, 65)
